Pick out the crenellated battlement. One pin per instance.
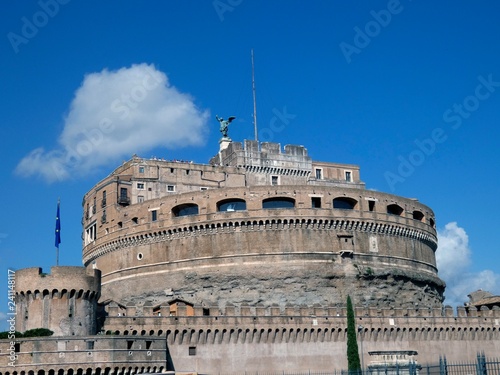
(461, 314)
(61, 282)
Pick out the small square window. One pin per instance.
(141, 169)
(315, 202)
(140, 198)
(171, 188)
(274, 180)
(140, 186)
(192, 350)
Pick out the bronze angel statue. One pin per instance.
(224, 124)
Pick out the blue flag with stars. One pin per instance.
(58, 227)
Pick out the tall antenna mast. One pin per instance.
(254, 102)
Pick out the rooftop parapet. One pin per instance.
(59, 278)
(318, 311)
(265, 154)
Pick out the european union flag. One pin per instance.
(58, 227)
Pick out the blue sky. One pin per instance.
(409, 90)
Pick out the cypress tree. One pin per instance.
(353, 363)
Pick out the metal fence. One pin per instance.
(482, 366)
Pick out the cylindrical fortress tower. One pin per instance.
(258, 226)
(64, 301)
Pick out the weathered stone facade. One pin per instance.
(243, 264)
(258, 226)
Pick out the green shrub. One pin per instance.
(353, 362)
(38, 332)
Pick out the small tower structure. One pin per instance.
(64, 301)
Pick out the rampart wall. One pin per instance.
(301, 339)
(90, 355)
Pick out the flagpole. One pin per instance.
(254, 102)
(58, 231)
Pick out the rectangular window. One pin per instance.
(141, 169)
(90, 345)
(140, 186)
(171, 188)
(91, 233)
(348, 177)
(274, 180)
(154, 215)
(123, 200)
(371, 205)
(315, 202)
(192, 350)
(319, 173)
(140, 198)
(203, 188)
(123, 192)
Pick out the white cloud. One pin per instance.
(453, 260)
(115, 114)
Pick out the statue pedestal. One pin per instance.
(224, 143)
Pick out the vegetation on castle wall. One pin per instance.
(353, 362)
(38, 332)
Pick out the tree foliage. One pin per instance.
(353, 363)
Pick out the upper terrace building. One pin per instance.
(258, 224)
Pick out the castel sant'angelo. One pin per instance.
(241, 264)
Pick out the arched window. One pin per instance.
(418, 215)
(229, 205)
(345, 203)
(185, 209)
(278, 202)
(394, 209)
(432, 223)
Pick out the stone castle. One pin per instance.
(242, 264)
